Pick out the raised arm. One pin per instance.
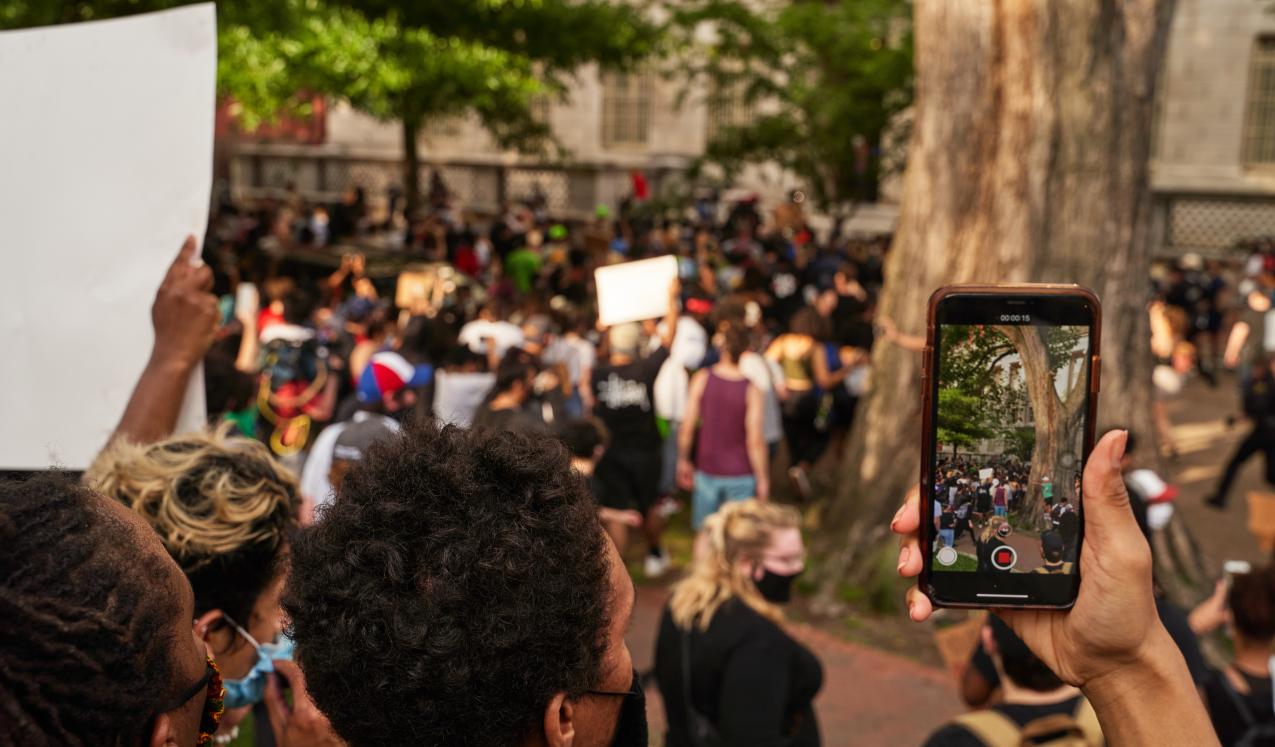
(758, 456)
(674, 311)
(184, 317)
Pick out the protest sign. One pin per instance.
(985, 473)
(413, 289)
(106, 145)
(634, 291)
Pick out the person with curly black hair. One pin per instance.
(96, 644)
(461, 591)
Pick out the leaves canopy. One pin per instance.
(813, 74)
(975, 362)
(397, 60)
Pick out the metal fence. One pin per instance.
(480, 186)
(1209, 224)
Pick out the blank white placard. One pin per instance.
(633, 291)
(105, 166)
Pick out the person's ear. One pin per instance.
(216, 636)
(989, 642)
(163, 733)
(560, 725)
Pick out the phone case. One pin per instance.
(927, 411)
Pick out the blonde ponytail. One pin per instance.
(740, 530)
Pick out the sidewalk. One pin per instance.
(869, 697)
(1205, 442)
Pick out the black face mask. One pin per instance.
(630, 728)
(775, 588)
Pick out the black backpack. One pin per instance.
(1256, 734)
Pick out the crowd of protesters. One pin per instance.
(765, 342)
(449, 566)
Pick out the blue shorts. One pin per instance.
(948, 536)
(711, 492)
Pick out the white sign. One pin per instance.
(105, 168)
(985, 473)
(634, 291)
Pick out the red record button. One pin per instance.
(1004, 558)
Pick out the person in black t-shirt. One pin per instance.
(505, 409)
(1239, 697)
(628, 474)
(1031, 692)
(983, 499)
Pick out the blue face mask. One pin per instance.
(251, 688)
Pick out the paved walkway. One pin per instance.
(869, 697)
(1205, 442)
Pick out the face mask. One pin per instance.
(630, 728)
(775, 588)
(251, 688)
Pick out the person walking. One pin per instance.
(628, 475)
(726, 410)
(1259, 405)
(728, 672)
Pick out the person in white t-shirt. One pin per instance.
(490, 334)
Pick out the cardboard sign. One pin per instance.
(414, 287)
(106, 145)
(634, 291)
(985, 473)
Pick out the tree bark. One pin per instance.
(411, 167)
(1028, 162)
(1057, 421)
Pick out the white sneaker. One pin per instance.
(655, 565)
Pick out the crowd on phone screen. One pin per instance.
(407, 525)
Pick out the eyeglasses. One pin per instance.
(210, 671)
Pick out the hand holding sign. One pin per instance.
(185, 312)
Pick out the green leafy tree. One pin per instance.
(822, 82)
(408, 62)
(961, 421)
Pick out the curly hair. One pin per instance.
(223, 507)
(458, 581)
(86, 620)
(739, 530)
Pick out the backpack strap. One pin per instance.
(991, 727)
(1246, 714)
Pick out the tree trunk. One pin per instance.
(411, 167)
(1057, 421)
(1028, 162)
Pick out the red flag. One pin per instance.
(640, 189)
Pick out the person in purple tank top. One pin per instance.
(731, 462)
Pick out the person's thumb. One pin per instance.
(1106, 501)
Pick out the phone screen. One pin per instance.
(1011, 387)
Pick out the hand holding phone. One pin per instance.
(1114, 620)
(1010, 388)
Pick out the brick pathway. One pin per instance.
(869, 697)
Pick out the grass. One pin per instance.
(964, 562)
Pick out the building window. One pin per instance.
(626, 108)
(728, 107)
(1259, 123)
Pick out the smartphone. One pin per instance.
(1233, 568)
(1010, 380)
